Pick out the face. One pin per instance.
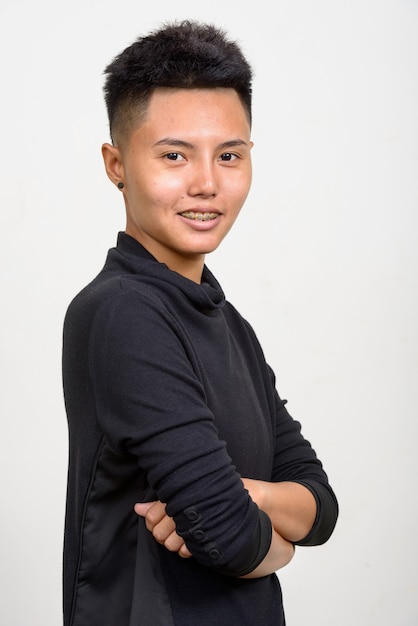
(186, 172)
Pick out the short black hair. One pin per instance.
(186, 55)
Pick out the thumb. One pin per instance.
(141, 508)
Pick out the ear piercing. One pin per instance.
(120, 185)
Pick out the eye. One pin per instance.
(228, 156)
(174, 156)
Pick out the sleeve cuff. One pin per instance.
(255, 551)
(326, 513)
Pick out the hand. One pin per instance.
(162, 527)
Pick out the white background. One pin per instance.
(323, 262)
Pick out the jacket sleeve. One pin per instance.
(151, 404)
(295, 460)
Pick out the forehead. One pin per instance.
(195, 109)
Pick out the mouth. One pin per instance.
(199, 216)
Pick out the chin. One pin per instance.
(205, 247)
(204, 251)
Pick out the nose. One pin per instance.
(204, 181)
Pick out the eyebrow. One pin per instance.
(180, 143)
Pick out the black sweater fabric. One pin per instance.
(169, 397)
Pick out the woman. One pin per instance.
(171, 405)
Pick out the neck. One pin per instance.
(189, 268)
(188, 265)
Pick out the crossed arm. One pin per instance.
(290, 506)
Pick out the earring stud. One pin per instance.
(120, 185)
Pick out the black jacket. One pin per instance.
(169, 397)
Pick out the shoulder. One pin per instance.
(119, 305)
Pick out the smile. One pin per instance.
(201, 217)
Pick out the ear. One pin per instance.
(113, 162)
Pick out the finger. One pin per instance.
(141, 508)
(155, 513)
(184, 552)
(164, 529)
(173, 542)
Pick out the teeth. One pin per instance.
(201, 217)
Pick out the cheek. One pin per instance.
(164, 189)
(240, 190)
